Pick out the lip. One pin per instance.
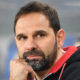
(31, 57)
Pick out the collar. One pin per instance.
(69, 51)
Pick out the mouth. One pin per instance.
(32, 57)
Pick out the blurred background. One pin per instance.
(69, 14)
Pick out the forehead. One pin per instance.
(32, 22)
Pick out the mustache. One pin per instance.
(35, 52)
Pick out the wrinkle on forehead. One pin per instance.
(32, 17)
(33, 22)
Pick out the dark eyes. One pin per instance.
(22, 38)
(40, 35)
(35, 36)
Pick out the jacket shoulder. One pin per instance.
(71, 72)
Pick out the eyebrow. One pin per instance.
(19, 35)
(41, 31)
(36, 32)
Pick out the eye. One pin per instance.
(40, 35)
(22, 38)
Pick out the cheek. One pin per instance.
(47, 46)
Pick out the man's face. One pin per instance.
(36, 41)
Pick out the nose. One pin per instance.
(30, 45)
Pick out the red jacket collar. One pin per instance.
(69, 51)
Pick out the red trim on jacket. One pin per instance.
(69, 51)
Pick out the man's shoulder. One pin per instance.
(74, 57)
(71, 71)
(72, 68)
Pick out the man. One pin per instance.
(39, 40)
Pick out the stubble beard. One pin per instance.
(45, 62)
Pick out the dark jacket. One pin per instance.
(68, 67)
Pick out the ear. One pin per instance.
(60, 38)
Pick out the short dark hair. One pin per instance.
(45, 9)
